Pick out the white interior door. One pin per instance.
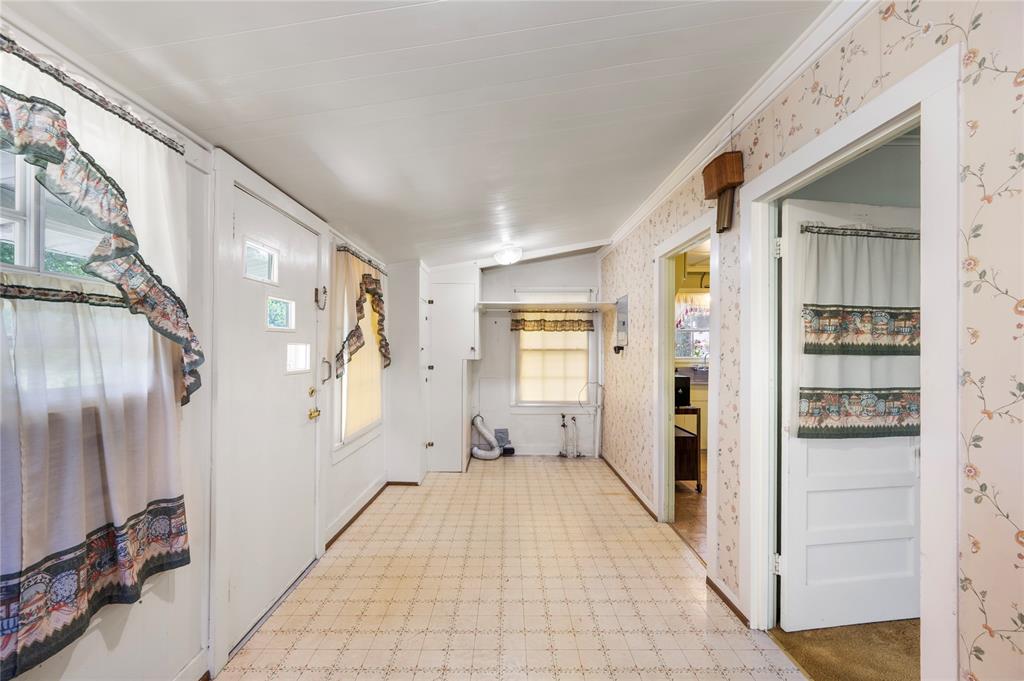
(268, 371)
(451, 337)
(850, 512)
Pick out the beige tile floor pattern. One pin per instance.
(524, 568)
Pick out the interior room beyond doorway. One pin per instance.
(849, 431)
(691, 333)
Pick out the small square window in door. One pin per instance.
(297, 358)
(260, 263)
(280, 314)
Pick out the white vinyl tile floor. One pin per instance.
(521, 568)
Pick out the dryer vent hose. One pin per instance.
(494, 451)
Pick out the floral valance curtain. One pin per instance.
(92, 373)
(551, 323)
(37, 129)
(356, 282)
(859, 365)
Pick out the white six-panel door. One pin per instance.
(850, 513)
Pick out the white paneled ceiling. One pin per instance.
(439, 129)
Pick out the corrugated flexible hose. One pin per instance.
(494, 451)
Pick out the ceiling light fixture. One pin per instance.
(509, 254)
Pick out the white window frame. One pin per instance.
(291, 316)
(30, 211)
(269, 250)
(592, 350)
(345, 444)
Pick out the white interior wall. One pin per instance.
(570, 271)
(532, 429)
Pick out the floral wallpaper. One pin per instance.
(892, 41)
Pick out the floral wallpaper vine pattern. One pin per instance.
(891, 42)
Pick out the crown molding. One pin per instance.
(835, 21)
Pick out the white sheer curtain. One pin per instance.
(858, 350)
(92, 500)
(90, 477)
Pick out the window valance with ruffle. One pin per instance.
(357, 280)
(555, 325)
(37, 129)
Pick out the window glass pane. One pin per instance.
(260, 262)
(297, 358)
(10, 235)
(8, 180)
(280, 313)
(362, 379)
(69, 240)
(553, 366)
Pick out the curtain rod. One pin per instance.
(10, 46)
(365, 258)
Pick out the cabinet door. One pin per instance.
(452, 341)
(453, 320)
(424, 372)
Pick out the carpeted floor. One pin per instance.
(885, 651)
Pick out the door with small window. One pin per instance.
(268, 376)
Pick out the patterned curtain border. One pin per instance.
(56, 295)
(36, 129)
(47, 605)
(556, 325)
(355, 341)
(858, 230)
(10, 46)
(861, 330)
(859, 412)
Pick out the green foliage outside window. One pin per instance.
(58, 263)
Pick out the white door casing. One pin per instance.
(663, 367)
(850, 512)
(930, 97)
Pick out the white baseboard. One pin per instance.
(196, 667)
(351, 510)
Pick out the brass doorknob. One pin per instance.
(314, 414)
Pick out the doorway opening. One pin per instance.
(685, 381)
(691, 327)
(848, 430)
(927, 99)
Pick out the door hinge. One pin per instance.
(776, 564)
(777, 251)
(233, 220)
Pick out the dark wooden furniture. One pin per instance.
(688, 456)
(691, 411)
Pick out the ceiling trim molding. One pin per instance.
(834, 22)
